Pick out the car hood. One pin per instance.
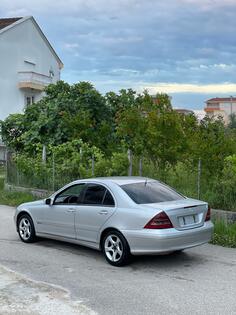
(32, 203)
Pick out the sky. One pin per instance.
(186, 48)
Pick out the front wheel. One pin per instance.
(26, 229)
(116, 249)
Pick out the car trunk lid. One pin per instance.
(184, 214)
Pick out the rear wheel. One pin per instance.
(116, 249)
(26, 229)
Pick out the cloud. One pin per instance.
(223, 88)
(180, 46)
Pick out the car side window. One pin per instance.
(94, 194)
(71, 195)
(108, 199)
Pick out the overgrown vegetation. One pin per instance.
(86, 133)
(13, 198)
(224, 234)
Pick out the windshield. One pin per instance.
(150, 192)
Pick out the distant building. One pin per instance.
(221, 106)
(200, 114)
(28, 64)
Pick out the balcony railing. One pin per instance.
(215, 106)
(33, 80)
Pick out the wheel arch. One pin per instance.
(105, 231)
(20, 214)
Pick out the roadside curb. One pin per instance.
(226, 216)
(35, 296)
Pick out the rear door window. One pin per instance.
(108, 199)
(98, 195)
(94, 195)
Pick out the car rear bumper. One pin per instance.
(147, 241)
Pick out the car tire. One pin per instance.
(26, 230)
(116, 249)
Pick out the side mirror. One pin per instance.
(48, 201)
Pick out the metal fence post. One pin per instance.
(140, 167)
(44, 154)
(130, 158)
(93, 165)
(53, 172)
(199, 178)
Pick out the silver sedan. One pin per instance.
(121, 216)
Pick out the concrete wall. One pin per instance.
(39, 193)
(227, 216)
(18, 45)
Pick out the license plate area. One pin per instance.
(188, 220)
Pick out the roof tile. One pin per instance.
(222, 99)
(8, 21)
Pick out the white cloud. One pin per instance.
(210, 4)
(190, 88)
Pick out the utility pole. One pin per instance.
(199, 178)
(231, 105)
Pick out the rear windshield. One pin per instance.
(150, 192)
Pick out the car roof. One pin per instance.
(119, 180)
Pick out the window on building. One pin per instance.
(29, 99)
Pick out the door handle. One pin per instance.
(71, 210)
(103, 212)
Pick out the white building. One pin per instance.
(28, 63)
(221, 106)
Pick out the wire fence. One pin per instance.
(191, 178)
(51, 175)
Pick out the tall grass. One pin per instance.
(224, 234)
(13, 198)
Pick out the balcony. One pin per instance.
(212, 107)
(33, 80)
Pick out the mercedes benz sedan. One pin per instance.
(121, 216)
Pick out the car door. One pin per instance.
(59, 218)
(97, 206)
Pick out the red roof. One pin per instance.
(222, 99)
(8, 21)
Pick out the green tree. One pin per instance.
(66, 112)
(12, 129)
(212, 144)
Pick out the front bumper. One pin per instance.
(147, 241)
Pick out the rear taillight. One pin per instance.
(160, 221)
(208, 215)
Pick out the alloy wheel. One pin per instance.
(113, 248)
(25, 228)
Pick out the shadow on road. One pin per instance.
(179, 260)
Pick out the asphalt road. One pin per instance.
(201, 280)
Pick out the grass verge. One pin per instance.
(13, 198)
(224, 234)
